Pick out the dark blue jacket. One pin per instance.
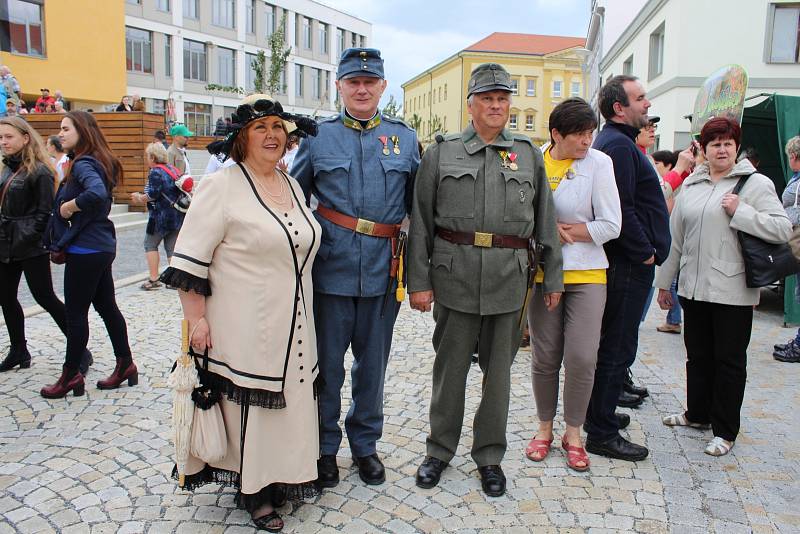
(89, 228)
(163, 218)
(645, 219)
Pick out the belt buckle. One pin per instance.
(364, 226)
(482, 240)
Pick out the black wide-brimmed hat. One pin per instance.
(257, 108)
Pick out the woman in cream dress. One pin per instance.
(243, 263)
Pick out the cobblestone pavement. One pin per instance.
(100, 463)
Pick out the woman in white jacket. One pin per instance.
(588, 212)
(717, 304)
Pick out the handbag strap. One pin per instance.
(740, 184)
(6, 186)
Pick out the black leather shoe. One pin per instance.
(370, 469)
(790, 354)
(493, 481)
(429, 472)
(619, 448)
(632, 388)
(86, 361)
(623, 420)
(626, 400)
(16, 357)
(780, 347)
(327, 471)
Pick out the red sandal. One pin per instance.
(540, 446)
(575, 455)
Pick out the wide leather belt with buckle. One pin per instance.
(482, 239)
(361, 226)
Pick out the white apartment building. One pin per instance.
(673, 45)
(176, 48)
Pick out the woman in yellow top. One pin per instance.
(588, 212)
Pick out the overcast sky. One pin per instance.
(414, 35)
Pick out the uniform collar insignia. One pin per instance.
(355, 124)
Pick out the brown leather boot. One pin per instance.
(70, 380)
(124, 370)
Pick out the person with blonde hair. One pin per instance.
(164, 221)
(27, 188)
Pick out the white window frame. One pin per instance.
(21, 19)
(306, 23)
(200, 72)
(298, 80)
(223, 13)
(575, 89)
(627, 66)
(512, 121)
(515, 86)
(250, 72)
(530, 87)
(226, 64)
(558, 88)
(530, 122)
(167, 55)
(655, 65)
(270, 24)
(322, 31)
(162, 5)
(251, 16)
(191, 114)
(769, 35)
(340, 42)
(191, 9)
(144, 49)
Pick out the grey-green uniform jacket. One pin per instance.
(462, 186)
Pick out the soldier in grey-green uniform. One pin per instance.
(480, 197)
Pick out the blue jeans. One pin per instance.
(674, 315)
(628, 286)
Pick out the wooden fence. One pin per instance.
(128, 134)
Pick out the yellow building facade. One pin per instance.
(76, 46)
(435, 101)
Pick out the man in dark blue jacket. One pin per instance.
(643, 243)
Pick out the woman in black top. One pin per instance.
(81, 234)
(27, 185)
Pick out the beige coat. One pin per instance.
(705, 247)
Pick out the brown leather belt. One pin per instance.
(361, 226)
(481, 239)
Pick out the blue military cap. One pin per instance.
(360, 62)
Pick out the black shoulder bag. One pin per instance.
(764, 263)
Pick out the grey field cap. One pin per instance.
(488, 77)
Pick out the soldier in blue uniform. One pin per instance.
(361, 169)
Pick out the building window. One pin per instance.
(168, 55)
(138, 50)
(656, 65)
(315, 83)
(162, 5)
(298, 80)
(190, 9)
(323, 38)
(530, 90)
(223, 13)
(362, 41)
(784, 27)
(627, 66)
(197, 118)
(354, 40)
(157, 105)
(306, 33)
(529, 122)
(250, 77)
(445, 92)
(270, 21)
(514, 86)
(22, 28)
(512, 121)
(557, 88)
(339, 42)
(226, 62)
(575, 89)
(194, 60)
(134, 2)
(251, 16)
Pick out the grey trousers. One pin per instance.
(454, 340)
(570, 333)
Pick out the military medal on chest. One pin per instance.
(508, 160)
(396, 142)
(385, 142)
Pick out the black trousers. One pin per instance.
(40, 282)
(88, 281)
(716, 338)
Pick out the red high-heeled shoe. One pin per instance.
(120, 375)
(66, 382)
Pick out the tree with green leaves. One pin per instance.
(416, 122)
(392, 108)
(279, 54)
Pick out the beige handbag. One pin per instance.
(209, 441)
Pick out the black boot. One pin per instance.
(632, 388)
(86, 361)
(16, 356)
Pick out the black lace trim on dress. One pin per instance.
(274, 400)
(185, 281)
(275, 494)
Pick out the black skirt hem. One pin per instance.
(273, 400)
(275, 494)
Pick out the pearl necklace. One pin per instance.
(277, 199)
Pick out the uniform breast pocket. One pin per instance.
(455, 196)
(519, 196)
(396, 172)
(332, 176)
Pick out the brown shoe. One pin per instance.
(669, 328)
(70, 380)
(124, 370)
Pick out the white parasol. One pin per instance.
(183, 380)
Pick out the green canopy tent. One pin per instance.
(767, 126)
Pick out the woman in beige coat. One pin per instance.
(717, 304)
(243, 264)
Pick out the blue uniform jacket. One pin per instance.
(346, 169)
